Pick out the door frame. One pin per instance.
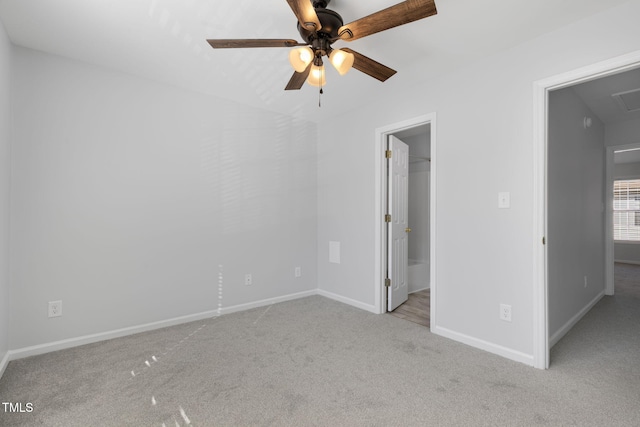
(541, 89)
(380, 182)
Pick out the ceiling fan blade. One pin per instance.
(240, 43)
(298, 79)
(369, 66)
(400, 14)
(306, 14)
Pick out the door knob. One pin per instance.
(408, 230)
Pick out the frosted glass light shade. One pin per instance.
(300, 58)
(317, 76)
(341, 60)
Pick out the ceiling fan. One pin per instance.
(321, 27)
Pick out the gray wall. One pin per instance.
(623, 133)
(575, 208)
(627, 252)
(5, 175)
(626, 171)
(131, 197)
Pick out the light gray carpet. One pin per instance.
(317, 362)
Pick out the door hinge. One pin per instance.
(387, 282)
(544, 242)
(387, 154)
(387, 218)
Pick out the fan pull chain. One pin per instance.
(320, 92)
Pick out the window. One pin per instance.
(626, 210)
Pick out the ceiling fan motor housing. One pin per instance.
(331, 21)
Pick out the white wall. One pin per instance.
(484, 146)
(418, 211)
(5, 179)
(575, 224)
(131, 197)
(418, 197)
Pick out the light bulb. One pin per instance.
(341, 60)
(317, 76)
(300, 58)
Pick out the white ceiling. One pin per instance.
(598, 96)
(164, 40)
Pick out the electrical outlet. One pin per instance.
(298, 272)
(505, 312)
(55, 308)
(248, 280)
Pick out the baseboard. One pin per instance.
(348, 301)
(103, 336)
(418, 290)
(553, 339)
(505, 352)
(624, 261)
(268, 301)
(4, 363)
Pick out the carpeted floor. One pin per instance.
(317, 362)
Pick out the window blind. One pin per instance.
(626, 210)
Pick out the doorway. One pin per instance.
(419, 136)
(542, 89)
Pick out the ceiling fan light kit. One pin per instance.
(317, 76)
(341, 60)
(321, 27)
(300, 58)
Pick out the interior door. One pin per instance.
(397, 226)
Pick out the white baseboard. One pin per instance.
(102, 336)
(553, 339)
(623, 261)
(505, 352)
(421, 289)
(268, 301)
(4, 363)
(348, 301)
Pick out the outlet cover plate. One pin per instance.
(55, 308)
(505, 312)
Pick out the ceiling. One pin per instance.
(164, 40)
(599, 96)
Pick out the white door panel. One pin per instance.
(398, 203)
